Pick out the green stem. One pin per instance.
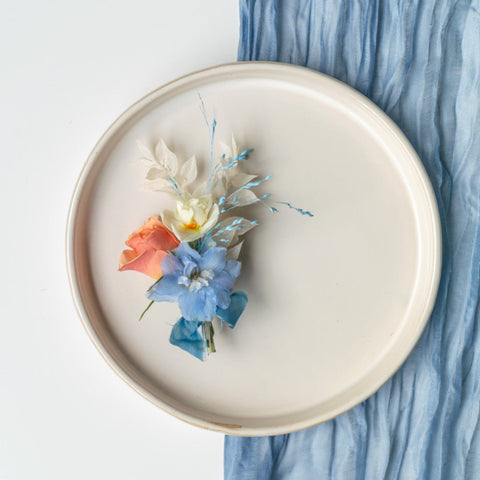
(146, 310)
(154, 283)
(208, 333)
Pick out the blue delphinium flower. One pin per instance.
(199, 282)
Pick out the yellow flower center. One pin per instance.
(192, 225)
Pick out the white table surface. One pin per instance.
(68, 69)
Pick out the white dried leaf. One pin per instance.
(230, 151)
(199, 191)
(234, 252)
(145, 162)
(234, 147)
(226, 222)
(239, 179)
(246, 226)
(218, 187)
(244, 197)
(166, 158)
(230, 229)
(225, 238)
(224, 151)
(145, 151)
(155, 172)
(159, 185)
(188, 172)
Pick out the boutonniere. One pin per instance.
(192, 250)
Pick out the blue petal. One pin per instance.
(200, 306)
(185, 335)
(189, 266)
(222, 298)
(214, 259)
(185, 250)
(210, 308)
(192, 305)
(237, 305)
(223, 280)
(233, 268)
(206, 244)
(171, 264)
(165, 290)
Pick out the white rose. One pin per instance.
(193, 217)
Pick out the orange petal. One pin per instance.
(127, 256)
(162, 239)
(148, 263)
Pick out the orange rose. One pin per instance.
(149, 244)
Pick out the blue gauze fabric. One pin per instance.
(420, 62)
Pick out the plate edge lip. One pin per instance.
(238, 430)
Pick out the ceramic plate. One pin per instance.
(336, 301)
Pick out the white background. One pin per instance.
(68, 69)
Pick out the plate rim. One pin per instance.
(231, 429)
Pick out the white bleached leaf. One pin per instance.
(227, 222)
(199, 191)
(188, 172)
(247, 226)
(166, 158)
(234, 252)
(145, 162)
(243, 225)
(155, 172)
(234, 147)
(218, 187)
(225, 238)
(230, 151)
(230, 229)
(145, 151)
(244, 197)
(239, 179)
(159, 185)
(224, 150)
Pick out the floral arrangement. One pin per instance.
(192, 251)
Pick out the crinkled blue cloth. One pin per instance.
(420, 62)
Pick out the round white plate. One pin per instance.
(336, 302)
